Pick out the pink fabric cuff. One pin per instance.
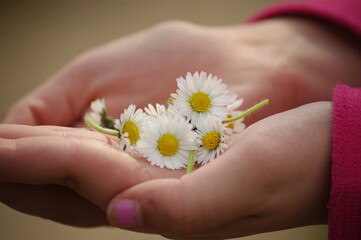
(345, 198)
(346, 13)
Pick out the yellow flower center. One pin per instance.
(168, 145)
(211, 140)
(200, 102)
(231, 125)
(132, 130)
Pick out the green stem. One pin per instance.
(171, 101)
(247, 112)
(106, 121)
(190, 161)
(90, 122)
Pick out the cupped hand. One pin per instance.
(291, 61)
(67, 175)
(275, 176)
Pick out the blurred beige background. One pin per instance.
(38, 37)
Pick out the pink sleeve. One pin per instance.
(345, 198)
(346, 13)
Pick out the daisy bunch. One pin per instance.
(197, 126)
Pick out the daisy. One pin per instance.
(99, 114)
(97, 110)
(167, 140)
(236, 126)
(211, 139)
(201, 95)
(156, 111)
(130, 125)
(234, 103)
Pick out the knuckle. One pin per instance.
(63, 133)
(174, 32)
(143, 172)
(174, 26)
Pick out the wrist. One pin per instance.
(333, 53)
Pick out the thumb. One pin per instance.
(211, 196)
(59, 101)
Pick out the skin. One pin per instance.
(275, 176)
(50, 160)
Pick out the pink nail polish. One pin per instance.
(127, 213)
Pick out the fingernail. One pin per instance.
(126, 212)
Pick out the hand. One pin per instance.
(66, 175)
(291, 61)
(275, 176)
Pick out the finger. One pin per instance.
(196, 201)
(90, 167)
(53, 202)
(14, 131)
(58, 101)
